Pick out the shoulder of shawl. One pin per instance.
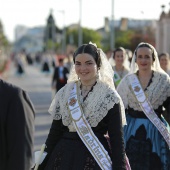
(59, 103)
(159, 89)
(100, 101)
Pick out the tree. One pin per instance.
(122, 38)
(3, 40)
(4, 44)
(143, 35)
(88, 35)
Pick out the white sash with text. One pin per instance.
(147, 108)
(86, 134)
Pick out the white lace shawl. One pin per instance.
(96, 106)
(157, 92)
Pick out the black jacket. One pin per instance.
(56, 79)
(16, 128)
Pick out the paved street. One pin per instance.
(38, 87)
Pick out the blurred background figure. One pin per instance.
(29, 59)
(129, 55)
(60, 75)
(121, 64)
(164, 60)
(38, 57)
(69, 61)
(20, 63)
(45, 64)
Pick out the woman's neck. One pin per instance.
(119, 67)
(145, 73)
(88, 83)
(144, 77)
(165, 69)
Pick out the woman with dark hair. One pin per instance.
(121, 65)
(145, 91)
(164, 60)
(83, 111)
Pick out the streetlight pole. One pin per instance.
(80, 38)
(112, 36)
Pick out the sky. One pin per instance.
(31, 13)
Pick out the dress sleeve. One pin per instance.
(54, 136)
(115, 131)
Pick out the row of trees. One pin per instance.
(127, 39)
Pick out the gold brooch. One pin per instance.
(72, 101)
(136, 88)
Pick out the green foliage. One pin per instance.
(88, 35)
(123, 38)
(50, 45)
(128, 39)
(3, 40)
(131, 38)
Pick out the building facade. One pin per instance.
(163, 33)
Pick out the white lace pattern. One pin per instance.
(95, 107)
(157, 92)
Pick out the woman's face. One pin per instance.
(86, 67)
(144, 58)
(164, 62)
(119, 57)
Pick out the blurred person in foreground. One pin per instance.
(145, 91)
(89, 97)
(164, 60)
(16, 128)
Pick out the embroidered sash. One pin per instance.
(86, 134)
(147, 108)
(116, 78)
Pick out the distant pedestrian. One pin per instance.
(60, 76)
(46, 64)
(164, 60)
(121, 66)
(20, 62)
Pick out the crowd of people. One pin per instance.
(107, 113)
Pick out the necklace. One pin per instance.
(86, 88)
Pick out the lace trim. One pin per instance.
(157, 92)
(95, 107)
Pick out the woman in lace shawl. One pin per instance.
(145, 146)
(121, 64)
(164, 60)
(102, 107)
